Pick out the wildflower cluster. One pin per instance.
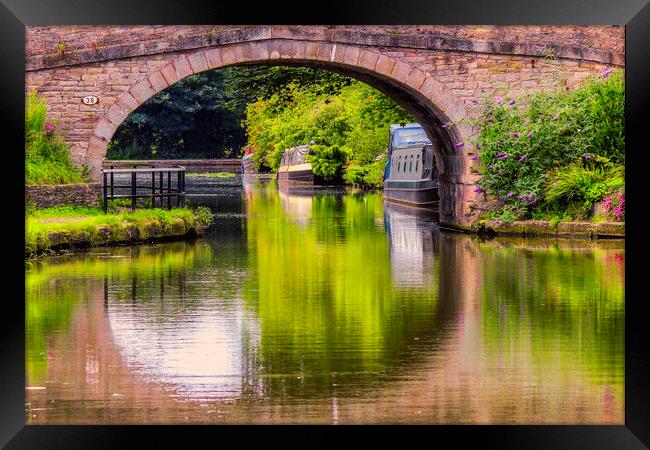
(522, 144)
(614, 206)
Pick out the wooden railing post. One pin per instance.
(134, 177)
(104, 192)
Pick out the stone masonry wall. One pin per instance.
(82, 194)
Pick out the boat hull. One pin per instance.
(299, 175)
(248, 166)
(423, 194)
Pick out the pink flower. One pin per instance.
(459, 144)
(556, 117)
(498, 100)
(49, 127)
(607, 73)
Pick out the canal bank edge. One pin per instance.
(543, 228)
(128, 233)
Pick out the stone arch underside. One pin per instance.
(428, 100)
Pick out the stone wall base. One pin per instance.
(79, 194)
(563, 229)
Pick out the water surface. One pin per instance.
(327, 308)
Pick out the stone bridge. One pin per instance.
(440, 74)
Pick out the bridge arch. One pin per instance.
(427, 99)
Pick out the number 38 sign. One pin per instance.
(90, 100)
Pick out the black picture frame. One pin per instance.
(16, 14)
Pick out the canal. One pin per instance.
(327, 308)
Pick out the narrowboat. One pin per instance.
(410, 175)
(248, 166)
(294, 169)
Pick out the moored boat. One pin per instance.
(410, 176)
(248, 166)
(294, 169)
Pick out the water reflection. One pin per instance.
(328, 309)
(413, 238)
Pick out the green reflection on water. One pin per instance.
(321, 284)
(348, 296)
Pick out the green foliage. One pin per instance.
(327, 162)
(525, 148)
(576, 187)
(190, 119)
(357, 118)
(47, 156)
(200, 116)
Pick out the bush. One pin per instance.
(525, 148)
(327, 162)
(47, 157)
(356, 118)
(578, 186)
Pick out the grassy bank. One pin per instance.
(60, 227)
(47, 156)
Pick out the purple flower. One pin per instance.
(515, 134)
(522, 198)
(529, 135)
(500, 154)
(510, 195)
(607, 73)
(522, 158)
(502, 143)
(474, 157)
(459, 144)
(533, 202)
(491, 167)
(587, 157)
(477, 190)
(531, 196)
(49, 127)
(498, 222)
(498, 100)
(506, 156)
(502, 198)
(511, 102)
(556, 117)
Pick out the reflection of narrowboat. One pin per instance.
(413, 238)
(294, 169)
(410, 176)
(248, 166)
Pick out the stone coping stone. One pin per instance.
(568, 229)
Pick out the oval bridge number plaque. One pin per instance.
(90, 100)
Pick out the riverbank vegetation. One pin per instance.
(553, 156)
(215, 113)
(349, 127)
(47, 156)
(87, 226)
